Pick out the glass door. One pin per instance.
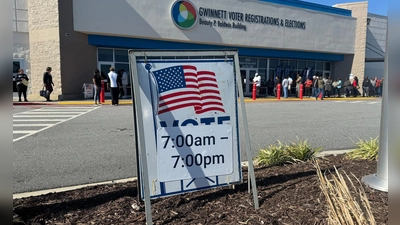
(104, 68)
(247, 76)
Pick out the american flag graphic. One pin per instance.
(183, 86)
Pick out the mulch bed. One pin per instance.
(288, 194)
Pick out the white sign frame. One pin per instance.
(145, 110)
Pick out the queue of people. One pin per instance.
(323, 87)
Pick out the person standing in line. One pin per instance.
(372, 87)
(270, 86)
(285, 84)
(321, 88)
(308, 85)
(356, 86)
(124, 82)
(112, 86)
(366, 83)
(298, 82)
(290, 84)
(339, 87)
(347, 87)
(97, 86)
(48, 83)
(377, 86)
(334, 87)
(328, 86)
(277, 81)
(257, 81)
(314, 87)
(22, 84)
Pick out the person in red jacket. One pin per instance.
(308, 84)
(355, 86)
(377, 86)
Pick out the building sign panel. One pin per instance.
(185, 15)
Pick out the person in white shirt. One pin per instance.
(124, 81)
(113, 84)
(290, 84)
(257, 81)
(285, 85)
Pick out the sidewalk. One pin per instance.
(37, 100)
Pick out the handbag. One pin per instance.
(25, 82)
(43, 92)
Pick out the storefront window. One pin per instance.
(273, 63)
(248, 62)
(310, 64)
(302, 65)
(284, 63)
(262, 63)
(293, 63)
(327, 66)
(121, 56)
(16, 66)
(319, 66)
(105, 55)
(263, 75)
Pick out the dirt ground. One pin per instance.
(288, 194)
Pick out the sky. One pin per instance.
(379, 7)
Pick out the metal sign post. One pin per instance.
(247, 137)
(142, 143)
(380, 180)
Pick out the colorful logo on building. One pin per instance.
(184, 14)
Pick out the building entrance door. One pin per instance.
(104, 68)
(247, 76)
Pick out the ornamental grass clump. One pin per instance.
(273, 155)
(365, 150)
(301, 151)
(343, 206)
(282, 153)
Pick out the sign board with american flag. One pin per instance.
(186, 120)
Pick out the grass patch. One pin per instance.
(282, 153)
(365, 150)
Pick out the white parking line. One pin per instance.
(32, 125)
(41, 112)
(356, 102)
(37, 120)
(58, 121)
(41, 116)
(370, 103)
(23, 131)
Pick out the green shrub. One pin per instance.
(273, 155)
(365, 150)
(280, 153)
(301, 151)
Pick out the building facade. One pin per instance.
(273, 37)
(375, 45)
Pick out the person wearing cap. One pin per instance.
(257, 81)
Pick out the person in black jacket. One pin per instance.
(22, 84)
(48, 83)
